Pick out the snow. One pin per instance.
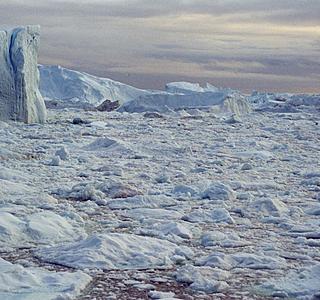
(20, 98)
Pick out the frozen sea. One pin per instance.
(187, 204)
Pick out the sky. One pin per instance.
(269, 45)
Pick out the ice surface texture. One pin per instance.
(20, 98)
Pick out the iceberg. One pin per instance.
(68, 88)
(20, 98)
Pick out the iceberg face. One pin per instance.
(20, 98)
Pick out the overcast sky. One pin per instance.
(245, 44)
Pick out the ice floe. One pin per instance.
(114, 251)
(18, 282)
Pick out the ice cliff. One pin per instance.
(20, 98)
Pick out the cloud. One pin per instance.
(271, 10)
(225, 40)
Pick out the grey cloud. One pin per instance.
(293, 65)
(103, 36)
(273, 10)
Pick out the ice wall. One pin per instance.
(20, 98)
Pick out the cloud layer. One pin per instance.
(247, 44)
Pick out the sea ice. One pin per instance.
(17, 282)
(203, 279)
(145, 201)
(113, 251)
(241, 260)
(36, 228)
(298, 284)
(217, 191)
(217, 215)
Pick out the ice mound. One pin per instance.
(113, 251)
(242, 260)
(172, 231)
(269, 207)
(20, 98)
(49, 227)
(226, 240)
(217, 215)
(203, 279)
(218, 191)
(11, 175)
(17, 282)
(77, 89)
(106, 146)
(142, 214)
(37, 228)
(147, 201)
(298, 284)
(306, 100)
(10, 228)
(23, 194)
(102, 143)
(99, 191)
(283, 103)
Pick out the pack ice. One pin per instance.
(20, 98)
(184, 201)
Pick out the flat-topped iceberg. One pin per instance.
(220, 101)
(20, 98)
